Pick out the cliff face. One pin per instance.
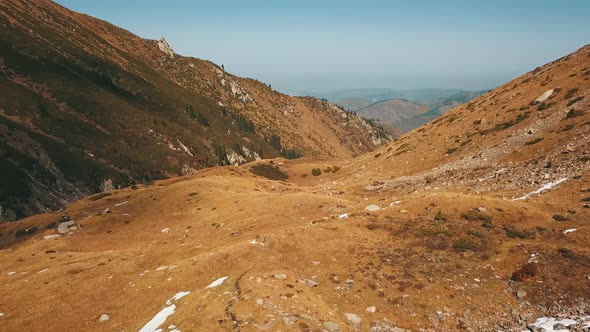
(85, 102)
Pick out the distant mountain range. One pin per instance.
(403, 110)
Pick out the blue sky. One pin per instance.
(302, 46)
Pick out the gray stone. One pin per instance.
(520, 293)
(309, 282)
(371, 309)
(353, 319)
(64, 227)
(331, 326)
(281, 276)
(51, 236)
(373, 208)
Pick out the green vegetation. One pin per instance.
(464, 244)
(534, 141)
(474, 215)
(440, 216)
(316, 172)
(269, 172)
(574, 113)
(559, 217)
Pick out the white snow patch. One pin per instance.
(51, 236)
(547, 323)
(544, 96)
(166, 230)
(217, 282)
(10, 273)
(540, 190)
(119, 204)
(571, 230)
(159, 319)
(344, 216)
(185, 148)
(394, 203)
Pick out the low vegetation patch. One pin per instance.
(559, 217)
(474, 215)
(574, 113)
(575, 100)
(440, 216)
(464, 244)
(513, 232)
(528, 270)
(316, 172)
(570, 93)
(269, 172)
(534, 141)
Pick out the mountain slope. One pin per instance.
(93, 107)
(445, 229)
(406, 115)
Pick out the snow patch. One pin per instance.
(217, 282)
(547, 323)
(571, 230)
(159, 319)
(540, 190)
(344, 216)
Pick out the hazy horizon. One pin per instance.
(307, 47)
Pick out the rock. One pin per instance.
(371, 309)
(309, 282)
(344, 216)
(373, 208)
(353, 319)
(10, 273)
(290, 320)
(172, 327)
(51, 236)
(482, 209)
(166, 230)
(281, 276)
(64, 227)
(403, 211)
(349, 281)
(260, 302)
(520, 293)
(331, 326)
(165, 48)
(104, 318)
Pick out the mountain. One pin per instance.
(93, 107)
(476, 221)
(381, 94)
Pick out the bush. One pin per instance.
(464, 244)
(535, 141)
(335, 169)
(269, 172)
(440, 216)
(528, 270)
(570, 93)
(515, 233)
(316, 172)
(474, 215)
(451, 150)
(573, 113)
(559, 217)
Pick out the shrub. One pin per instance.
(269, 172)
(535, 141)
(451, 150)
(316, 172)
(559, 217)
(475, 233)
(464, 244)
(328, 169)
(436, 230)
(440, 216)
(543, 106)
(528, 270)
(570, 93)
(575, 100)
(335, 169)
(573, 113)
(513, 232)
(474, 215)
